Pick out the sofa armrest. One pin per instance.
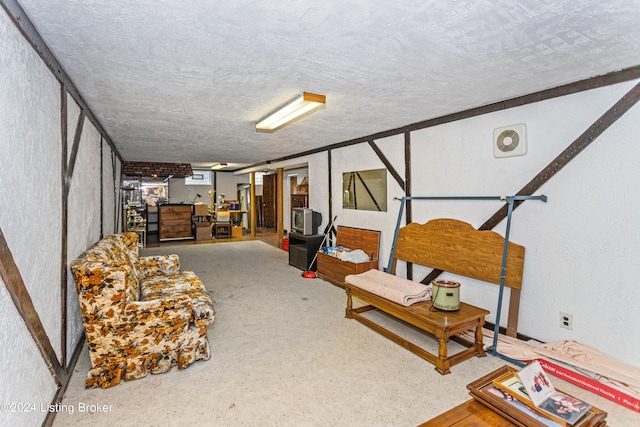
(159, 264)
(162, 309)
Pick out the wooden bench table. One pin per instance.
(469, 413)
(455, 247)
(441, 324)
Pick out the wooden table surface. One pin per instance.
(469, 413)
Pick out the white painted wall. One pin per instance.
(226, 183)
(83, 208)
(181, 193)
(24, 376)
(31, 218)
(316, 172)
(30, 201)
(362, 157)
(582, 247)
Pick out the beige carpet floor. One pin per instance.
(283, 354)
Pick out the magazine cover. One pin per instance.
(568, 408)
(522, 407)
(536, 383)
(557, 405)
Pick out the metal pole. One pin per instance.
(395, 234)
(503, 271)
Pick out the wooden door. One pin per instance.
(269, 199)
(258, 212)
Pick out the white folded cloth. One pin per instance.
(388, 286)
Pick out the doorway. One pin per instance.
(269, 200)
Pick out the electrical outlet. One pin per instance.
(566, 321)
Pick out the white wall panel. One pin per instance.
(30, 202)
(362, 157)
(25, 377)
(582, 246)
(83, 218)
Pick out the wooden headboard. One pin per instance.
(455, 246)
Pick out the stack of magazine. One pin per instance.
(528, 398)
(532, 387)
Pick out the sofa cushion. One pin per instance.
(124, 247)
(158, 264)
(173, 285)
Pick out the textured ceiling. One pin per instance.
(186, 81)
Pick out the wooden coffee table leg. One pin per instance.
(442, 363)
(479, 343)
(347, 313)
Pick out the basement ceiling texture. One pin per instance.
(186, 81)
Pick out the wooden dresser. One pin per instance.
(175, 222)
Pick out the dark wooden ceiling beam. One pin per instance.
(30, 33)
(608, 79)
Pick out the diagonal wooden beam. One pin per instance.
(576, 147)
(74, 151)
(17, 290)
(387, 163)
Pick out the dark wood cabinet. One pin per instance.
(175, 222)
(302, 250)
(299, 200)
(152, 224)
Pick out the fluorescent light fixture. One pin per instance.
(301, 106)
(218, 166)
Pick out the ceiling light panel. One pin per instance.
(292, 111)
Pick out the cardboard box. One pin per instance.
(236, 231)
(200, 209)
(203, 230)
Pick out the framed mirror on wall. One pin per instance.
(365, 190)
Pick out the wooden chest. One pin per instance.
(334, 270)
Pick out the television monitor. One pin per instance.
(305, 221)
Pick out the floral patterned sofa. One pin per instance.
(140, 314)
